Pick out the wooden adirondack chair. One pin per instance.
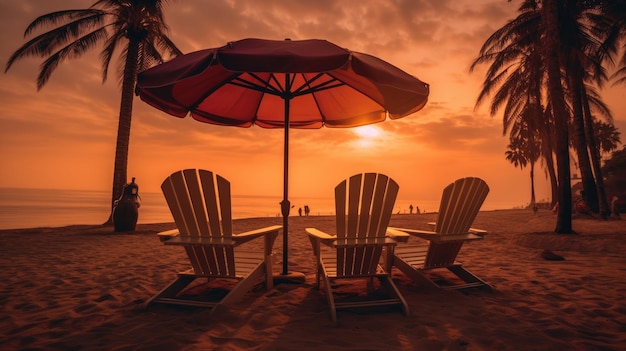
(364, 204)
(459, 206)
(200, 204)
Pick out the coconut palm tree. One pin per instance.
(515, 153)
(583, 29)
(551, 44)
(523, 150)
(607, 135)
(137, 27)
(516, 79)
(571, 56)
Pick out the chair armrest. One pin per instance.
(168, 234)
(424, 234)
(317, 237)
(324, 237)
(479, 232)
(457, 237)
(476, 231)
(436, 237)
(252, 234)
(269, 233)
(398, 235)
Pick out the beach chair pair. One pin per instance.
(200, 204)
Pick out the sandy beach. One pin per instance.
(84, 288)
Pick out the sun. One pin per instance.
(368, 132)
(368, 135)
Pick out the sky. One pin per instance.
(63, 137)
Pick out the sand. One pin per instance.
(84, 288)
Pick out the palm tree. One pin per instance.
(523, 150)
(583, 29)
(516, 79)
(515, 153)
(519, 63)
(136, 26)
(607, 136)
(551, 44)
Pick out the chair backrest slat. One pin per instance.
(460, 203)
(364, 204)
(200, 204)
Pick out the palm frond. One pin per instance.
(73, 50)
(49, 42)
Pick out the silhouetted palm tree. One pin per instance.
(137, 27)
(607, 136)
(559, 45)
(582, 34)
(516, 78)
(524, 150)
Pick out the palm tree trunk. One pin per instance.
(550, 20)
(594, 148)
(533, 202)
(545, 126)
(547, 147)
(120, 171)
(589, 185)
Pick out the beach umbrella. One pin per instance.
(282, 84)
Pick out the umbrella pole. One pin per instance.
(285, 204)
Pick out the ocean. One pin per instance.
(31, 208)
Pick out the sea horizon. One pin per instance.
(22, 208)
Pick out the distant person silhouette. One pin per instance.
(300, 211)
(307, 210)
(417, 210)
(410, 209)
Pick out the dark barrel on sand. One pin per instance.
(126, 210)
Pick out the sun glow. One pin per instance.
(367, 134)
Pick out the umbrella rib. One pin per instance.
(330, 84)
(264, 88)
(321, 87)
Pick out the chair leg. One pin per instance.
(469, 278)
(413, 272)
(244, 286)
(329, 295)
(392, 289)
(169, 292)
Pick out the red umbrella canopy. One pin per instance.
(248, 82)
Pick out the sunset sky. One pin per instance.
(64, 135)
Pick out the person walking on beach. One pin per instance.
(306, 210)
(300, 211)
(411, 209)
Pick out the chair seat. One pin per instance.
(245, 263)
(329, 260)
(412, 255)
